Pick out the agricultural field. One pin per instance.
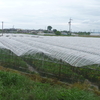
(77, 51)
(69, 59)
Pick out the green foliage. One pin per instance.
(65, 31)
(76, 94)
(49, 28)
(9, 79)
(47, 65)
(64, 71)
(54, 30)
(83, 33)
(58, 33)
(91, 74)
(61, 71)
(18, 87)
(10, 60)
(12, 86)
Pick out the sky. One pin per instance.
(38, 14)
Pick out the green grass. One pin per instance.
(18, 87)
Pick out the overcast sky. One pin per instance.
(38, 14)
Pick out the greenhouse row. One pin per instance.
(76, 51)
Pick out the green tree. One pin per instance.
(58, 33)
(49, 28)
(54, 30)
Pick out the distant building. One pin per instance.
(95, 33)
(40, 33)
(64, 33)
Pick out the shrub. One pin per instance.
(58, 33)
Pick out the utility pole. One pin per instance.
(13, 26)
(13, 29)
(70, 25)
(2, 28)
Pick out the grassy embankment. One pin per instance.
(17, 86)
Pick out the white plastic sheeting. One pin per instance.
(77, 51)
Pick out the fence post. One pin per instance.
(42, 60)
(60, 68)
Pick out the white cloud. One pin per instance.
(41, 13)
